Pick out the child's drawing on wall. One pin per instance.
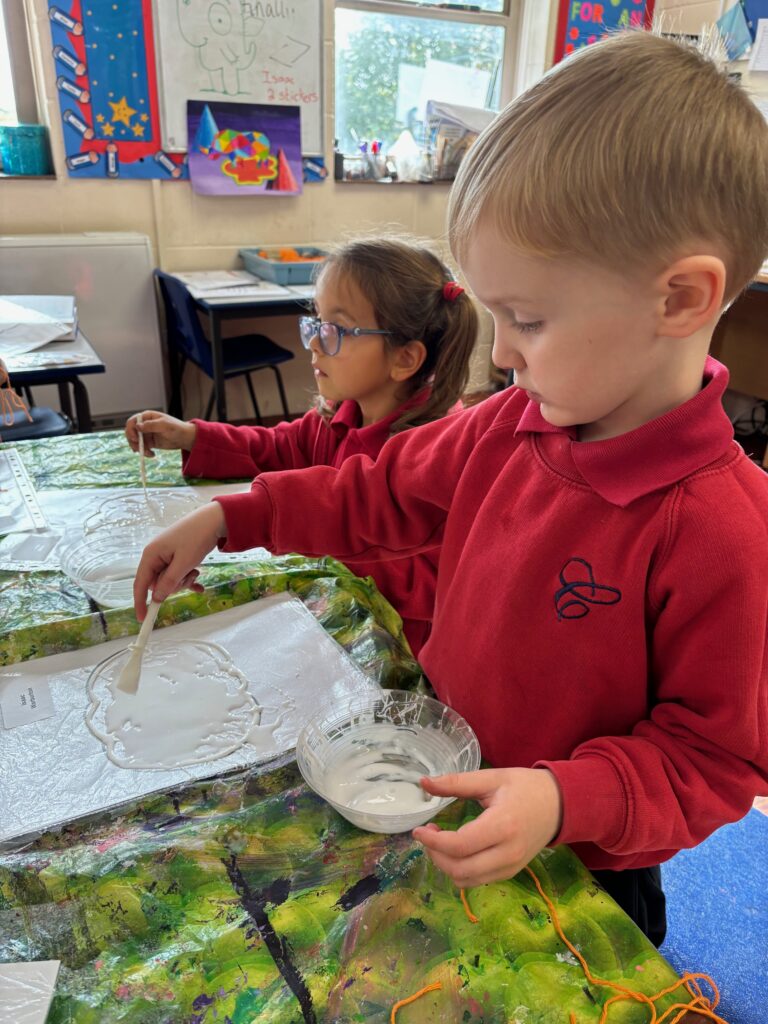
(244, 148)
(217, 33)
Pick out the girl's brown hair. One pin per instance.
(403, 280)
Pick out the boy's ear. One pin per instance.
(692, 289)
(407, 359)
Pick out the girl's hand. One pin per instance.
(523, 809)
(160, 431)
(169, 563)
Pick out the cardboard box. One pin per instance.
(741, 342)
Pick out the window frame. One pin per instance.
(20, 54)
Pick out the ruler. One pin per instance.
(19, 507)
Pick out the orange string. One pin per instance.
(9, 400)
(627, 993)
(467, 909)
(700, 1004)
(412, 999)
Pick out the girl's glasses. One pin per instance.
(329, 335)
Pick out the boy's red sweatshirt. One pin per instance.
(222, 450)
(601, 607)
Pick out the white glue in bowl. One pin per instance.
(151, 512)
(104, 563)
(366, 757)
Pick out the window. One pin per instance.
(7, 96)
(392, 57)
(18, 103)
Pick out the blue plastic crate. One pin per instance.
(296, 272)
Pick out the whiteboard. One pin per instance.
(246, 51)
(110, 275)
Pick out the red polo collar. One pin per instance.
(657, 454)
(348, 417)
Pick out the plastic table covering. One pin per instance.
(246, 897)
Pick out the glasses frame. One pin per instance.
(316, 324)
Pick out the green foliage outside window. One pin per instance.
(369, 57)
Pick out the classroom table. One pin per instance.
(62, 363)
(219, 311)
(246, 897)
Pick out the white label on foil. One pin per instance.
(22, 701)
(26, 991)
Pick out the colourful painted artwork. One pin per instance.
(249, 899)
(244, 148)
(581, 22)
(105, 76)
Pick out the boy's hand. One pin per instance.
(160, 431)
(169, 563)
(523, 808)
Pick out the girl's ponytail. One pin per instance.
(451, 364)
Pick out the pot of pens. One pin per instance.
(367, 164)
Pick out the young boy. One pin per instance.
(603, 581)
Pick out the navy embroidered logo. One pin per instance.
(579, 590)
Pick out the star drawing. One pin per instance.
(122, 112)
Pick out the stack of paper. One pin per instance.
(452, 130)
(229, 284)
(28, 322)
(303, 291)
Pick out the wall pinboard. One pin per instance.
(252, 51)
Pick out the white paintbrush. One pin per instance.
(128, 680)
(142, 457)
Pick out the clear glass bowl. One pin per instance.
(366, 756)
(104, 563)
(152, 512)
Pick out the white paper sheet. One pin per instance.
(199, 281)
(24, 330)
(41, 359)
(26, 991)
(61, 308)
(56, 770)
(67, 511)
(22, 702)
(303, 291)
(19, 506)
(262, 290)
(758, 61)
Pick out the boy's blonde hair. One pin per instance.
(634, 149)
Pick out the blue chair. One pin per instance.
(45, 423)
(243, 355)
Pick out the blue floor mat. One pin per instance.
(717, 912)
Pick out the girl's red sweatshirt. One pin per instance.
(222, 450)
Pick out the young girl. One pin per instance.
(390, 342)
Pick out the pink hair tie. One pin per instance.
(452, 290)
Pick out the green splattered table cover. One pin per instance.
(248, 898)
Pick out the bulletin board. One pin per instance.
(104, 60)
(581, 22)
(248, 51)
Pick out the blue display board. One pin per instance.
(581, 22)
(105, 75)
